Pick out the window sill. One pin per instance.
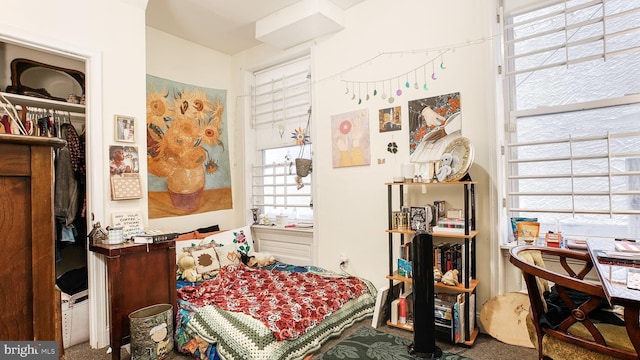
(299, 229)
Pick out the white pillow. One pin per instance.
(239, 239)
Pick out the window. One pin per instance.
(573, 116)
(281, 105)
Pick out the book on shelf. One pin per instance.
(462, 319)
(449, 256)
(451, 222)
(446, 230)
(458, 329)
(409, 297)
(395, 307)
(154, 236)
(405, 268)
(472, 313)
(405, 251)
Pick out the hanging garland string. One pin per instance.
(397, 78)
(439, 50)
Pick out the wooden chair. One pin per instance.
(577, 335)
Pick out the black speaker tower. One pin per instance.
(424, 339)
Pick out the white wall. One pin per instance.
(118, 49)
(351, 202)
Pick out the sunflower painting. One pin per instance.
(187, 152)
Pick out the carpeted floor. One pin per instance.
(485, 347)
(368, 343)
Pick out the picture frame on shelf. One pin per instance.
(124, 128)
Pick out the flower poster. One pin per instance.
(350, 139)
(187, 149)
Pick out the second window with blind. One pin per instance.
(573, 119)
(281, 119)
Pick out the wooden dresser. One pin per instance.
(139, 275)
(27, 238)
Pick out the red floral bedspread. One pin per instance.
(288, 303)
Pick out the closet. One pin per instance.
(43, 229)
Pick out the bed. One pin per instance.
(278, 311)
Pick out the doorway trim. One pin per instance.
(98, 319)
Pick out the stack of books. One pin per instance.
(154, 236)
(626, 253)
(449, 256)
(449, 226)
(449, 317)
(405, 265)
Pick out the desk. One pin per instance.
(613, 279)
(139, 275)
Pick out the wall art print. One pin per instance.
(124, 172)
(350, 139)
(433, 117)
(187, 149)
(390, 119)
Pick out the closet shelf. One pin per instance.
(17, 100)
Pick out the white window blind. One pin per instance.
(571, 32)
(573, 125)
(281, 98)
(281, 110)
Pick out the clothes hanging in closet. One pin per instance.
(66, 184)
(70, 184)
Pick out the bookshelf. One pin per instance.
(464, 292)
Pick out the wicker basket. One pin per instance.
(303, 167)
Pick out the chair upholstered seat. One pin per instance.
(554, 348)
(577, 335)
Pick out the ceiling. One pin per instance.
(228, 26)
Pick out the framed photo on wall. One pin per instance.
(124, 128)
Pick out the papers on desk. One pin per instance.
(628, 247)
(623, 254)
(633, 279)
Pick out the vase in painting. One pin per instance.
(186, 187)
